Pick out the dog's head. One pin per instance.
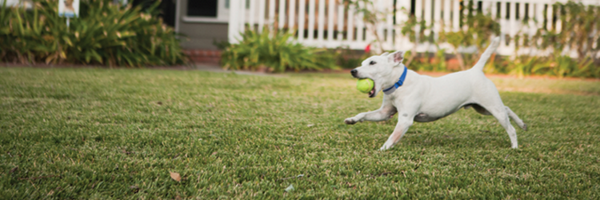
(379, 69)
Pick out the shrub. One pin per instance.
(276, 52)
(347, 58)
(479, 29)
(104, 33)
(580, 30)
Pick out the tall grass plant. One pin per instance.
(105, 34)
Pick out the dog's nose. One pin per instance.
(353, 72)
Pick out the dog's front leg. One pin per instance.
(386, 111)
(404, 122)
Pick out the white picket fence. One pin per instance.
(328, 23)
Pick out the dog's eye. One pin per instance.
(372, 62)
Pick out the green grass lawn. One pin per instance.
(99, 133)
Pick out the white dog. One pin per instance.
(422, 98)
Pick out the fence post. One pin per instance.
(242, 14)
(252, 13)
(429, 22)
(522, 27)
(301, 19)
(513, 25)
(261, 14)
(549, 16)
(232, 27)
(418, 17)
(456, 16)
(503, 28)
(271, 19)
(389, 9)
(350, 26)
(437, 18)
(330, 16)
(531, 24)
(311, 20)
(321, 23)
(340, 24)
(359, 25)
(282, 14)
(401, 18)
(379, 7)
(291, 16)
(446, 10)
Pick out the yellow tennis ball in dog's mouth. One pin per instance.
(364, 85)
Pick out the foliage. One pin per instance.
(350, 59)
(477, 30)
(414, 29)
(275, 52)
(104, 33)
(221, 44)
(556, 65)
(79, 134)
(579, 31)
(371, 17)
(350, 62)
(576, 36)
(579, 35)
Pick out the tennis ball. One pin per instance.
(364, 85)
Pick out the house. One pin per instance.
(202, 22)
(335, 23)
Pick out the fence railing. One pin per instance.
(331, 23)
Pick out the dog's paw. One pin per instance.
(350, 121)
(385, 147)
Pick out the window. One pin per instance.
(205, 8)
(215, 11)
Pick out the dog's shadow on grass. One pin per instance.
(438, 135)
(476, 139)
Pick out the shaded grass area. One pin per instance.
(96, 134)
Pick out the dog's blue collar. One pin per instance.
(396, 85)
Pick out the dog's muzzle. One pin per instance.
(354, 73)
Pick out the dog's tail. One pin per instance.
(486, 55)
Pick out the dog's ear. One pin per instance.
(396, 57)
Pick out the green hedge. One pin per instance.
(105, 33)
(276, 52)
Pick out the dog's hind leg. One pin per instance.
(501, 114)
(516, 118)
